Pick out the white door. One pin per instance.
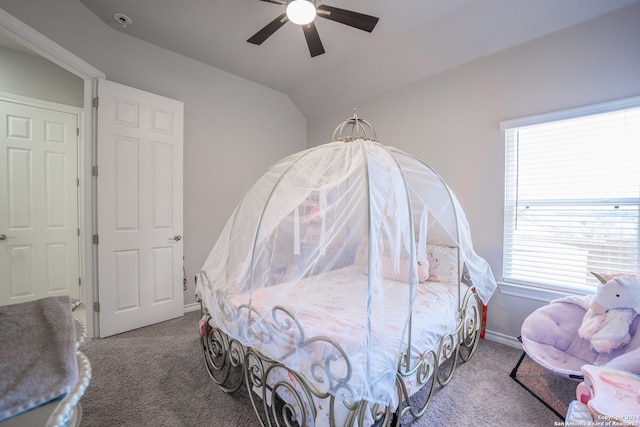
(139, 208)
(38, 202)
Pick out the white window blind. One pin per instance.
(572, 196)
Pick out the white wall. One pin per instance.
(451, 121)
(234, 129)
(35, 77)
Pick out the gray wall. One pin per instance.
(234, 129)
(35, 77)
(451, 121)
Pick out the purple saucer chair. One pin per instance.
(550, 338)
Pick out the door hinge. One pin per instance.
(78, 182)
(96, 307)
(94, 170)
(95, 102)
(77, 131)
(79, 282)
(78, 232)
(95, 239)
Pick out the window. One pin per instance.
(572, 196)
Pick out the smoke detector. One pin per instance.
(122, 19)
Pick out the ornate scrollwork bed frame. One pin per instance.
(231, 365)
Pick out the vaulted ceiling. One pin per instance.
(412, 40)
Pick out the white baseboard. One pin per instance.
(503, 339)
(191, 307)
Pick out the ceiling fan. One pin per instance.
(303, 13)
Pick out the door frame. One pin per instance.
(23, 34)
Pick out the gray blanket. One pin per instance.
(37, 354)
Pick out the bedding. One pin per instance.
(445, 318)
(325, 308)
(329, 308)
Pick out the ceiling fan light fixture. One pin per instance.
(301, 12)
(350, 18)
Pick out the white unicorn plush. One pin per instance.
(615, 305)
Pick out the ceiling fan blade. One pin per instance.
(353, 19)
(275, 1)
(268, 30)
(313, 39)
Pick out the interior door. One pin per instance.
(140, 246)
(38, 202)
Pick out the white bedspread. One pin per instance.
(335, 307)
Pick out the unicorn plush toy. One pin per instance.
(615, 305)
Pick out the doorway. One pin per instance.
(138, 275)
(28, 38)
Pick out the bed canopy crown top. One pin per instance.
(359, 129)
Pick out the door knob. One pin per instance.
(177, 237)
(5, 237)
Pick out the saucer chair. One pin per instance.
(550, 338)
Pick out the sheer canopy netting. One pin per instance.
(360, 215)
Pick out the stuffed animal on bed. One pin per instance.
(615, 305)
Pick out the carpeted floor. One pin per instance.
(155, 376)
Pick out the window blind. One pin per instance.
(572, 196)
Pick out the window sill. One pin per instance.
(537, 293)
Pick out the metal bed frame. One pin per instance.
(231, 365)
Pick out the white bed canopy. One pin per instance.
(349, 206)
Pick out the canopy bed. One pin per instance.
(343, 283)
